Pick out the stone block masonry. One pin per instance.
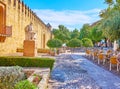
(16, 14)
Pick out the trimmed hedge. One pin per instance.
(43, 50)
(38, 50)
(74, 43)
(27, 62)
(19, 50)
(54, 43)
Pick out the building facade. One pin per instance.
(14, 17)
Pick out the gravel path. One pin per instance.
(68, 73)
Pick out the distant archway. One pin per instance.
(2, 17)
(2, 21)
(2, 13)
(44, 41)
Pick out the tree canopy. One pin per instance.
(110, 23)
(54, 43)
(84, 31)
(74, 43)
(62, 33)
(75, 34)
(87, 42)
(95, 33)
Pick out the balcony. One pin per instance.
(5, 31)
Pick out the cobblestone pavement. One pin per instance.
(68, 73)
(104, 78)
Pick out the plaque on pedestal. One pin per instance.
(30, 48)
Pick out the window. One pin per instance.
(9, 1)
(14, 3)
(18, 4)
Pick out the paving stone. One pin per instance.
(70, 75)
(104, 78)
(80, 73)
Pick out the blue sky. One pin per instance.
(71, 13)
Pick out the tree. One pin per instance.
(85, 32)
(87, 42)
(61, 37)
(62, 33)
(65, 32)
(55, 32)
(95, 33)
(75, 34)
(110, 23)
(109, 2)
(74, 43)
(54, 43)
(112, 2)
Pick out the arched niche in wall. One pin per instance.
(44, 43)
(2, 21)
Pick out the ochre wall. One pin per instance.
(18, 15)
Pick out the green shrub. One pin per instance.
(27, 62)
(39, 50)
(9, 76)
(25, 84)
(87, 42)
(43, 50)
(54, 43)
(74, 43)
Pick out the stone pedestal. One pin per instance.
(30, 48)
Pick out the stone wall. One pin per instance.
(18, 15)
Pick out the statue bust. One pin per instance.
(29, 34)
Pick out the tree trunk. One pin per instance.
(55, 51)
(105, 42)
(115, 46)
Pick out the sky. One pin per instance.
(70, 13)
